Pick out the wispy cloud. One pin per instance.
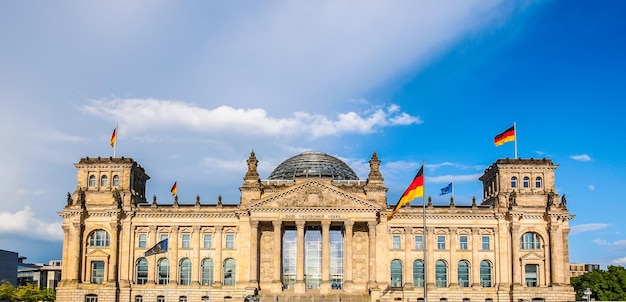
(151, 114)
(619, 261)
(24, 222)
(575, 229)
(581, 157)
(617, 243)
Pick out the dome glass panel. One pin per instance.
(313, 164)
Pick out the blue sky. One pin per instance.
(196, 86)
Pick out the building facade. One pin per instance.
(9, 262)
(578, 269)
(42, 275)
(313, 231)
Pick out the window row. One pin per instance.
(206, 270)
(441, 242)
(104, 181)
(139, 298)
(185, 240)
(526, 182)
(528, 241)
(441, 273)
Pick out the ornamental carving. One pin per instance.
(359, 256)
(267, 252)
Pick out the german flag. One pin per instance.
(173, 190)
(415, 190)
(507, 136)
(113, 137)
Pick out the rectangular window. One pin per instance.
(441, 242)
(531, 271)
(97, 272)
(142, 240)
(185, 241)
(138, 299)
(208, 238)
(160, 299)
(230, 241)
(163, 237)
(486, 243)
(419, 244)
(396, 242)
(463, 242)
(91, 298)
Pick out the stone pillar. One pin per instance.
(218, 264)
(76, 250)
(196, 241)
(565, 270)
(66, 272)
(372, 259)
(254, 254)
(325, 286)
(172, 245)
(112, 274)
(348, 282)
(299, 286)
(476, 247)
(516, 266)
(453, 270)
(408, 260)
(553, 260)
(430, 258)
(276, 283)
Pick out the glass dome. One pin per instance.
(315, 165)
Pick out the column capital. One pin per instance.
(219, 228)
(277, 224)
(325, 225)
(300, 224)
(372, 224)
(475, 230)
(254, 224)
(408, 229)
(348, 224)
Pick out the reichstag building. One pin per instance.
(314, 231)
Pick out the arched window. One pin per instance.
(138, 298)
(91, 298)
(464, 273)
(526, 182)
(229, 272)
(99, 238)
(207, 272)
(418, 273)
(163, 271)
(441, 273)
(184, 271)
(182, 299)
(537, 182)
(92, 181)
(116, 180)
(141, 270)
(104, 181)
(513, 182)
(530, 241)
(396, 273)
(160, 299)
(485, 273)
(466, 300)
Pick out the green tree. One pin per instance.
(47, 294)
(7, 290)
(609, 285)
(27, 293)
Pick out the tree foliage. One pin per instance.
(609, 285)
(25, 293)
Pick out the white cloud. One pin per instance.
(587, 227)
(581, 157)
(619, 261)
(151, 114)
(23, 222)
(591, 187)
(617, 243)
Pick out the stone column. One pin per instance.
(430, 257)
(276, 283)
(325, 286)
(152, 261)
(254, 254)
(476, 247)
(218, 264)
(453, 271)
(196, 241)
(65, 271)
(172, 245)
(348, 283)
(372, 259)
(553, 260)
(77, 249)
(408, 260)
(299, 286)
(516, 266)
(112, 274)
(565, 270)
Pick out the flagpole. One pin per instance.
(424, 245)
(515, 135)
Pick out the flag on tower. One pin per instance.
(415, 190)
(113, 137)
(173, 190)
(507, 136)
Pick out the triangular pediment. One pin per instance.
(98, 253)
(313, 195)
(532, 256)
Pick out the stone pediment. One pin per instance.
(533, 256)
(313, 195)
(98, 253)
